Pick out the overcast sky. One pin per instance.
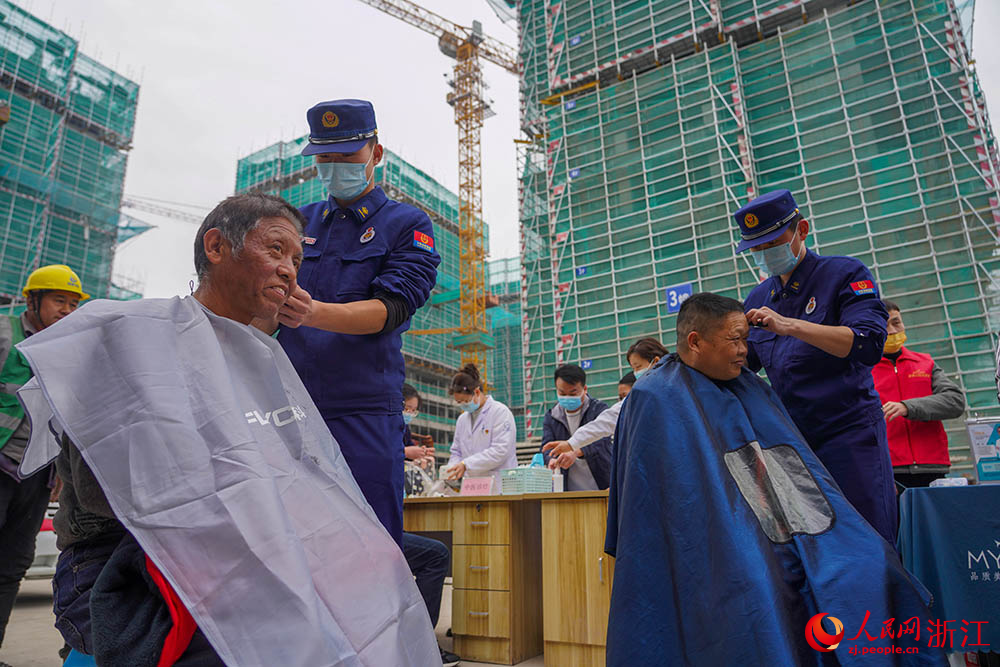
(220, 79)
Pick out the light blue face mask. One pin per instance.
(408, 417)
(776, 261)
(344, 180)
(571, 403)
(639, 374)
(471, 406)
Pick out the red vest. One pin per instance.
(910, 441)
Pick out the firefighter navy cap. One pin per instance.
(340, 126)
(766, 218)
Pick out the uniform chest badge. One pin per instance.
(368, 235)
(309, 240)
(811, 306)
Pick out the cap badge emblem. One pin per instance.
(751, 221)
(330, 119)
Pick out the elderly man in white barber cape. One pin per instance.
(200, 477)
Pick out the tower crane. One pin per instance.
(467, 46)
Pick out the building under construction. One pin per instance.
(66, 131)
(431, 361)
(649, 123)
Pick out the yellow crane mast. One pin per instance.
(467, 46)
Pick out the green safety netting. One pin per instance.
(861, 112)
(62, 154)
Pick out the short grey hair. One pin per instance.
(237, 216)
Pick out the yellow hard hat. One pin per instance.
(54, 276)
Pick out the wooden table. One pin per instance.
(576, 577)
(496, 613)
(521, 564)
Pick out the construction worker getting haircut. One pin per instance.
(52, 293)
(368, 264)
(817, 328)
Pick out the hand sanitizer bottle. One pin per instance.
(557, 480)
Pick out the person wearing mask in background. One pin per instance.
(429, 559)
(818, 327)
(625, 385)
(485, 433)
(576, 408)
(916, 395)
(52, 292)
(422, 456)
(368, 264)
(643, 355)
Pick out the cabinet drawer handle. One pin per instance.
(479, 523)
(479, 567)
(600, 568)
(479, 613)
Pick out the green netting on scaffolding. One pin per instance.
(859, 113)
(62, 154)
(506, 359)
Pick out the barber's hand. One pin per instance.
(556, 447)
(455, 473)
(770, 320)
(893, 409)
(297, 309)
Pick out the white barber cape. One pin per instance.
(212, 454)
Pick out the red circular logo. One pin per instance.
(819, 638)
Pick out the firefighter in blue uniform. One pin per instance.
(817, 328)
(368, 264)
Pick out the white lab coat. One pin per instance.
(603, 426)
(488, 446)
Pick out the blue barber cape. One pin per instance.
(729, 535)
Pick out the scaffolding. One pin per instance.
(63, 154)
(431, 360)
(506, 358)
(870, 113)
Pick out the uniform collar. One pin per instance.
(800, 276)
(363, 209)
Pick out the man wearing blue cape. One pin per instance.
(729, 535)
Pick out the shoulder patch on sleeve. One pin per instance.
(863, 287)
(423, 241)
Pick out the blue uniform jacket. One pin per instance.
(350, 254)
(823, 393)
(597, 454)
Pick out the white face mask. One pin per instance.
(345, 180)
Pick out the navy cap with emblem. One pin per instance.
(766, 218)
(340, 126)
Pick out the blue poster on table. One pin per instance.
(949, 538)
(984, 438)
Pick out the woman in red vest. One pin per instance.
(916, 395)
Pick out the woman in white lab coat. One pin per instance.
(485, 433)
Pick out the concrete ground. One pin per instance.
(31, 641)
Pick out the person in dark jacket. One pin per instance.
(592, 469)
(916, 395)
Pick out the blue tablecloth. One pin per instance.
(949, 538)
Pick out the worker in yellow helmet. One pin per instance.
(52, 293)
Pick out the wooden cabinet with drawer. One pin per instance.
(496, 606)
(496, 613)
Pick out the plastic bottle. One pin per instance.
(557, 481)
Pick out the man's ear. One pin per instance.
(378, 153)
(216, 246)
(694, 341)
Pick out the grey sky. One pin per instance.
(222, 78)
